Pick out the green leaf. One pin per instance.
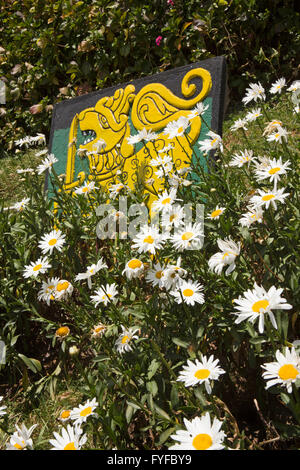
(32, 364)
(180, 342)
(165, 435)
(161, 412)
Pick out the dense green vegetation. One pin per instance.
(54, 50)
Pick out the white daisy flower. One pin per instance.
(215, 142)
(254, 92)
(86, 188)
(173, 274)
(155, 275)
(189, 237)
(273, 171)
(117, 215)
(20, 206)
(105, 295)
(98, 330)
(21, 171)
(41, 153)
(164, 201)
(250, 217)
(188, 292)
(63, 289)
(199, 372)
(255, 303)
(200, 434)
(148, 240)
(115, 189)
(91, 271)
(216, 213)
(81, 413)
(47, 291)
(164, 170)
(123, 342)
(161, 160)
(176, 128)
(240, 159)
(285, 371)
(23, 141)
(140, 136)
(253, 115)
(239, 124)
(280, 135)
(2, 408)
(278, 86)
(294, 86)
(47, 164)
(199, 110)
(264, 199)
(21, 439)
(272, 126)
(229, 251)
(64, 416)
(70, 439)
(134, 268)
(36, 268)
(178, 181)
(173, 217)
(52, 240)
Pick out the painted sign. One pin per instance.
(120, 129)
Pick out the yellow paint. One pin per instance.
(152, 108)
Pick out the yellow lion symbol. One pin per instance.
(152, 108)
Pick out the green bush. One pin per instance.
(58, 49)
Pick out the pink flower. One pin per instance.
(170, 2)
(158, 40)
(36, 108)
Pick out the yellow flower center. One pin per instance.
(213, 141)
(187, 236)
(172, 217)
(134, 264)
(158, 274)
(86, 411)
(260, 304)
(70, 446)
(202, 374)
(37, 267)
(97, 329)
(277, 135)
(53, 241)
(65, 414)
(166, 201)
(85, 189)
(202, 441)
(17, 446)
(274, 170)
(187, 292)
(148, 239)
(268, 197)
(106, 295)
(125, 339)
(216, 213)
(180, 129)
(62, 331)
(288, 371)
(62, 286)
